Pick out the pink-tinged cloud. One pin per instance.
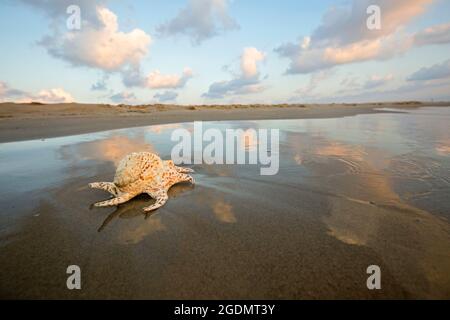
(157, 80)
(343, 25)
(55, 95)
(100, 46)
(344, 38)
(249, 59)
(246, 82)
(439, 34)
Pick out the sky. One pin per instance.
(224, 52)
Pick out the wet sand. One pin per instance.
(351, 192)
(35, 121)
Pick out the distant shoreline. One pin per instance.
(20, 122)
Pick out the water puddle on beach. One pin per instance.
(350, 192)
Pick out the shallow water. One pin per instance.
(350, 192)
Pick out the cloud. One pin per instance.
(100, 85)
(426, 90)
(317, 58)
(352, 85)
(55, 95)
(233, 87)
(314, 81)
(349, 84)
(133, 77)
(377, 81)
(247, 82)
(156, 80)
(421, 91)
(200, 20)
(344, 38)
(98, 44)
(249, 60)
(346, 25)
(437, 71)
(103, 47)
(123, 97)
(56, 9)
(439, 34)
(166, 96)
(7, 93)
